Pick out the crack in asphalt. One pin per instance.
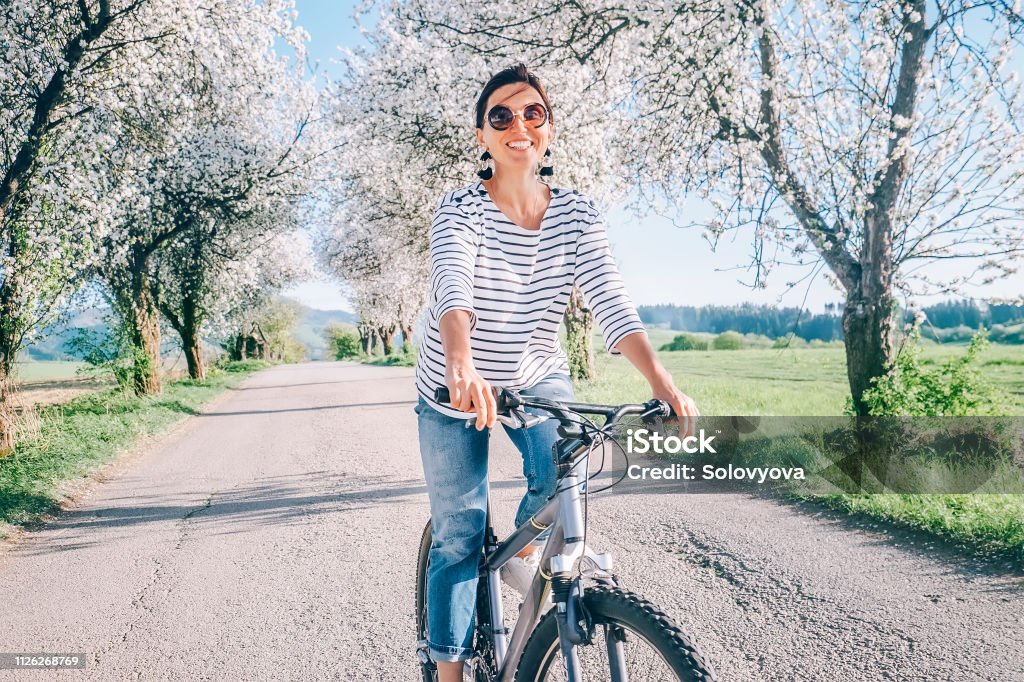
(139, 601)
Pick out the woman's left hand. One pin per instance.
(682, 404)
(637, 349)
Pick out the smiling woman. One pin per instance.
(506, 254)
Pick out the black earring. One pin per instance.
(485, 169)
(546, 166)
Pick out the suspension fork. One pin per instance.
(568, 591)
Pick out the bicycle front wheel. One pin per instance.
(427, 669)
(629, 633)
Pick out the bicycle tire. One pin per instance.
(638, 617)
(429, 671)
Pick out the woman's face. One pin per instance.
(520, 145)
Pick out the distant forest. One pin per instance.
(774, 322)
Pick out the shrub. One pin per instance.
(346, 345)
(790, 340)
(685, 342)
(728, 341)
(105, 352)
(756, 341)
(953, 388)
(343, 341)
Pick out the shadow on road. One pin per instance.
(280, 500)
(374, 380)
(968, 562)
(316, 408)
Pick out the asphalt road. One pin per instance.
(274, 537)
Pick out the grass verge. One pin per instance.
(395, 360)
(75, 438)
(985, 524)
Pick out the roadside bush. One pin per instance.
(750, 341)
(342, 340)
(953, 388)
(224, 364)
(406, 357)
(104, 352)
(790, 340)
(685, 342)
(728, 341)
(346, 346)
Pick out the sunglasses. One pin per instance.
(501, 117)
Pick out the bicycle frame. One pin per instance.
(563, 515)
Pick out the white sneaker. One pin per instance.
(518, 572)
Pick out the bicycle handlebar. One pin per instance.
(509, 399)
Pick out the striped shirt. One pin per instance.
(515, 283)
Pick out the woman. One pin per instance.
(505, 254)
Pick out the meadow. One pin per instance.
(812, 382)
(46, 370)
(783, 382)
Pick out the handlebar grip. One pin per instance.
(658, 408)
(506, 400)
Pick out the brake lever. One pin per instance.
(518, 419)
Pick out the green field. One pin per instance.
(47, 370)
(790, 382)
(812, 382)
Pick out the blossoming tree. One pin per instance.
(877, 138)
(56, 94)
(405, 106)
(215, 147)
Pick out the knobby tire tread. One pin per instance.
(611, 603)
(421, 594)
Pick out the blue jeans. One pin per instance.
(455, 467)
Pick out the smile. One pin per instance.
(519, 144)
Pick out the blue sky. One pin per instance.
(660, 263)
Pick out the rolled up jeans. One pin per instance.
(455, 467)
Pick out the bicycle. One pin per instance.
(637, 641)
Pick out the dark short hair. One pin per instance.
(517, 73)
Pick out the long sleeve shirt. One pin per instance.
(515, 284)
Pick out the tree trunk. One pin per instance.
(579, 327)
(387, 335)
(868, 328)
(187, 322)
(192, 322)
(406, 328)
(144, 331)
(194, 355)
(10, 342)
(138, 310)
(869, 317)
(7, 412)
(374, 339)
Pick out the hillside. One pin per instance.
(51, 346)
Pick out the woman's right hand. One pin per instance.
(470, 392)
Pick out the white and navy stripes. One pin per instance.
(515, 283)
